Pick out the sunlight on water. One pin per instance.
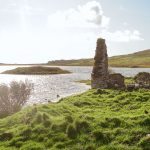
(47, 87)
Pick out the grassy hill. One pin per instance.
(112, 120)
(138, 59)
(73, 62)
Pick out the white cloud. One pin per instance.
(89, 15)
(122, 36)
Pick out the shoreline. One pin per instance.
(138, 67)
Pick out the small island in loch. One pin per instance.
(36, 70)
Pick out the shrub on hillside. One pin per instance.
(71, 131)
(14, 96)
(6, 136)
(145, 143)
(101, 137)
(69, 119)
(81, 126)
(26, 133)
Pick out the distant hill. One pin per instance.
(73, 62)
(135, 60)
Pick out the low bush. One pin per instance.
(90, 147)
(45, 117)
(145, 143)
(14, 96)
(6, 136)
(59, 126)
(114, 122)
(69, 119)
(38, 118)
(81, 126)
(47, 123)
(145, 122)
(71, 131)
(40, 129)
(61, 137)
(26, 133)
(14, 142)
(82, 103)
(101, 137)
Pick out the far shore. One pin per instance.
(70, 65)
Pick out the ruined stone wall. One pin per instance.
(99, 76)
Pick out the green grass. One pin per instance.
(36, 70)
(139, 59)
(114, 120)
(87, 82)
(128, 80)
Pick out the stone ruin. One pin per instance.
(100, 77)
(143, 79)
(116, 80)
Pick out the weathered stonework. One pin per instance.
(116, 80)
(142, 78)
(99, 76)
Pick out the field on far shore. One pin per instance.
(139, 59)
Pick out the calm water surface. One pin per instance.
(47, 87)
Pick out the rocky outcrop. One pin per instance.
(143, 78)
(99, 76)
(116, 80)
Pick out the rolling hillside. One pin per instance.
(111, 120)
(138, 59)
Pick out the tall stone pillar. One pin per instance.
(99, 76)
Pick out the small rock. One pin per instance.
(130, 87)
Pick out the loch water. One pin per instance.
(47, 87)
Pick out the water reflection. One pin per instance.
(47, 87)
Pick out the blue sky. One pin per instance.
(36, 31)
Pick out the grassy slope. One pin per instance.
(139, 59)
(74, 62)
(113, 120)
(39, 70)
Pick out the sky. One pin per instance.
(36, 31)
